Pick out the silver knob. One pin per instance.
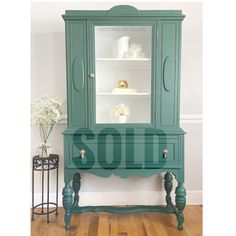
(82, 153)
(91, 75)
(165, 153)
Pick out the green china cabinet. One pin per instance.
(123, 95)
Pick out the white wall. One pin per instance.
(49, 77)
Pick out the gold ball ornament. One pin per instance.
(122, 84)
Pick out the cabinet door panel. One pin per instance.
(77, 71)
(124, 86)
(169, 68)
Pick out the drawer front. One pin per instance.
(131, 154)
(157, 153)
(98, 155)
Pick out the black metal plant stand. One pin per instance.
(45, 164)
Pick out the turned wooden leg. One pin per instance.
(76, 188)
(180, 200)
(168, 184)
(67, 204)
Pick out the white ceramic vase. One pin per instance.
(122, 119)
(121, 47)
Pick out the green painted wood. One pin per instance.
(125, 129)
(123, 10)
(180, 175)
(76, 187)
(124, 210)
(67, 204)
(124, 152)
(180, 200)
(168, 184)
(123, 149)
(76, 73)
(122, 173)
(168, 73)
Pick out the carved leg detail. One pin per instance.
(180, 204)
(168, 184)
(76, 188)
(67, 204)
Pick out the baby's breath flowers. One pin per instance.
(120, 110)
(46, 113)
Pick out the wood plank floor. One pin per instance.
(107, 224)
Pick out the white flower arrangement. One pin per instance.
(120, 110)
(46, 113)
(135, 51)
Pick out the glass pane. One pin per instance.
(123, 74)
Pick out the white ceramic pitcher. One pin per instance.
(121, 47)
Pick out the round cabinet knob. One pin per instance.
(91, 75)
(82, 153)
(165, 153)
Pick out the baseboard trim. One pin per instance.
(190, 119)
(124, 198)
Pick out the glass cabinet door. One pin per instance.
(123, 74)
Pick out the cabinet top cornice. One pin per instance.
(122, 10)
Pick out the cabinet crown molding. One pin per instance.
(123, 10)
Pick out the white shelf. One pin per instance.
(122, 59)
(130, 95)
(123, 64)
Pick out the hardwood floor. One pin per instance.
(106, 224)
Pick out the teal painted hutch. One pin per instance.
(123, 95)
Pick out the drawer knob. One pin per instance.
(165, 153)
(82, 153)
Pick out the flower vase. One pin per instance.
(122, 119)
(44, 150)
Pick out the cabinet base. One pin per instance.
(71, 206)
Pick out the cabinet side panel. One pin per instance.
(76, 73)
(168, 74)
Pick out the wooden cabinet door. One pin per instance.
(169, 53)
(76, 41)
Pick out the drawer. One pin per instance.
(98, 155)
(157, 153)
(131, 154)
